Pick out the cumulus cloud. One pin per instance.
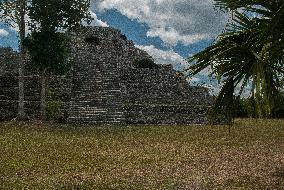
(184, 21)
(171, 36)
(3, 32)
(165, 57)
(96, 21)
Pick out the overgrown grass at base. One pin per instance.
(50, 156)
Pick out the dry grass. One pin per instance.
(37, 156)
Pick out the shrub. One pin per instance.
(93, 40)
(52, 109)
(122, 36)
(145, 63)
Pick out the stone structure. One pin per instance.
(106, 85)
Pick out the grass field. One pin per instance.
(49, 156)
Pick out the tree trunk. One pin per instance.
(22, 28)
(43, 95)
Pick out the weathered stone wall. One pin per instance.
(9, 60)
(106, 86)
(162, 85)
(165, 114)
(130, 94)
(59, 87)
(9, 96)
(160, 96)
(95, 95)
(8, 83)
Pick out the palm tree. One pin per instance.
(249, 53)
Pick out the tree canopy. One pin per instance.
(58, 14)
(48, 44)
(48, 51)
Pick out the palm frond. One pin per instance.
(248, 52)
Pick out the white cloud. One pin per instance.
(194, 80)
(165, 57)
(96, 21)
(185, 21)
(171, 36)
(3, 33)
(206, 72)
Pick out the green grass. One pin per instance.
(49, 156)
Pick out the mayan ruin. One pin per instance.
(107, 85)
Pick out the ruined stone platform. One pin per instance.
(106, 86)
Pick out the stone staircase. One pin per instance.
(96, 96)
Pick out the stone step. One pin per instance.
(97, 99)
(98, 117)
(91, 121)
(95, 76)
(109, 109)
(91, 118)
(96, 87)
(96, 107)
(96, 73)
(101, 105)
(97, 92)
(96, 96)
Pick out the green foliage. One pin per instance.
(58, 14)
(10, 12)
(93, 40)
(246, 107)
(48, 51)
(45, 15)
(145, 63)
(52, 109)
(46, 45)
(248, 54)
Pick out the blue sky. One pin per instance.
(168, 30)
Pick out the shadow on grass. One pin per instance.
(279, 173)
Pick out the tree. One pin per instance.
(12, 12)
(249, 53)
(49, 53)
(47, 44)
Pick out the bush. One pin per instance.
(52, 109)
(145, 63)
(246, 107)
(93, 40)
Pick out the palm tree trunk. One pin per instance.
(21, 104)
